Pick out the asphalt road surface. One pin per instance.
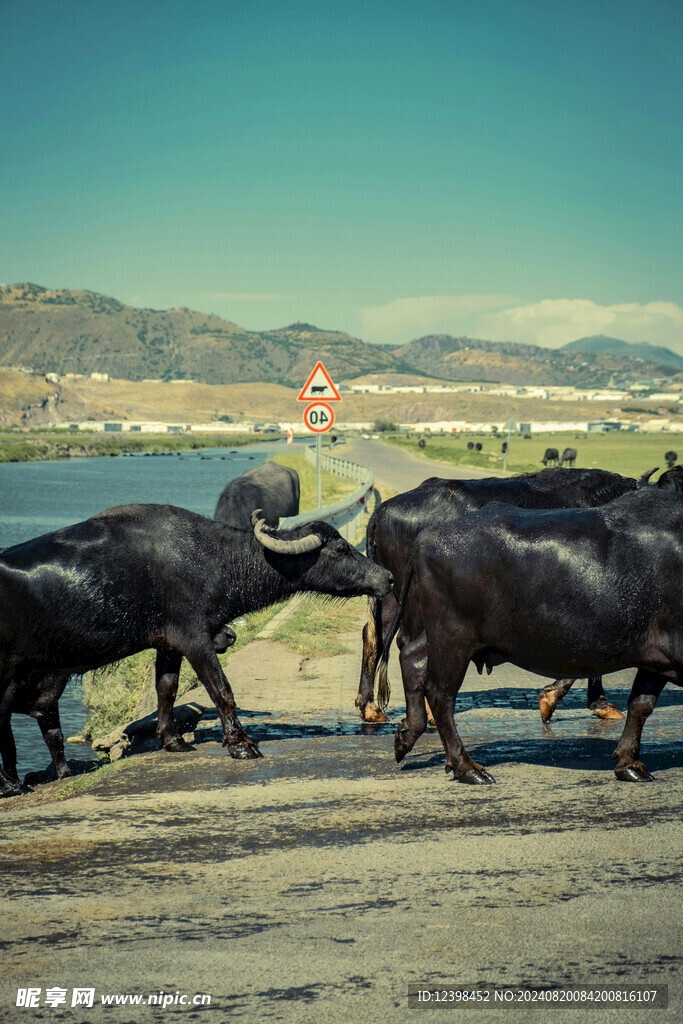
(324, 882)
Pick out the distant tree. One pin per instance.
(384, 426)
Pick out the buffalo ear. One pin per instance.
(643, 480)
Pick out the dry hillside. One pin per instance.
(29, 400)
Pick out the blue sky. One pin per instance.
(510, 169)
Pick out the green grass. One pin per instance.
(334, 488)
(112, 694)
(627, 453)
(313, 629)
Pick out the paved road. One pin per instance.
(400, 470)
(321, 882)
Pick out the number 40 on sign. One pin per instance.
(319, 417)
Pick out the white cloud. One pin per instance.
(553, 322)
(405, 319)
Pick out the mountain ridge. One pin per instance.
(629, 349)
(80, 331)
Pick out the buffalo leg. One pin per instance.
(9, 781)
(208, 669)
(551, 695)
(378, 620)
(46, 712)
(8, 750)
(51, 728)
(413, 660)
(167, 672)
(596, 700)
(647, 687)
(445, 673)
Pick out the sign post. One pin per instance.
(318, 415)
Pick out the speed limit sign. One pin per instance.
(319, 417)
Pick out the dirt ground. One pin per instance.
(321, 881)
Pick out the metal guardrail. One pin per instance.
(347, 514)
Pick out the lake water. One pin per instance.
(37, 497)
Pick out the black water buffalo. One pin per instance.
(394, 526)
(551, 455)
(568, 456)
(150, 576)
(671, 458)
(484, 589)
(272, 488)
(671, 479)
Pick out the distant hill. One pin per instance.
(627, 349)
(80, 331)
(441, 355)
(65, 330)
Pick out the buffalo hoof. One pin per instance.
(178, 745)
(603, 709)
(636, 772)
(546, 704)
(403, 742)
(12, 789)
(64, 773)
(244, 751)
(400, 749)
(373, 713)
(475, 776)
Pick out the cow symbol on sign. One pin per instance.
(319, 383)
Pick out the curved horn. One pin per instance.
(254, 516)
(642, 481)
(285, 547)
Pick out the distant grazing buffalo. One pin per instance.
(568, 456)
(551, 455)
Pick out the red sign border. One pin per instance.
(312, 429)
(319, 366)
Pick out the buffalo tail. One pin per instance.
(383, 688)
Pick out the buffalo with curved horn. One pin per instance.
(151, 576)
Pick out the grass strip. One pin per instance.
(41, 446)
(628, 453)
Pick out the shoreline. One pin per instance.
(41, 447)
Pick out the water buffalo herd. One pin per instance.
(569, 573)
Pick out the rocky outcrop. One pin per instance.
(139, 736)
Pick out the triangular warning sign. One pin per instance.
(319, 386)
